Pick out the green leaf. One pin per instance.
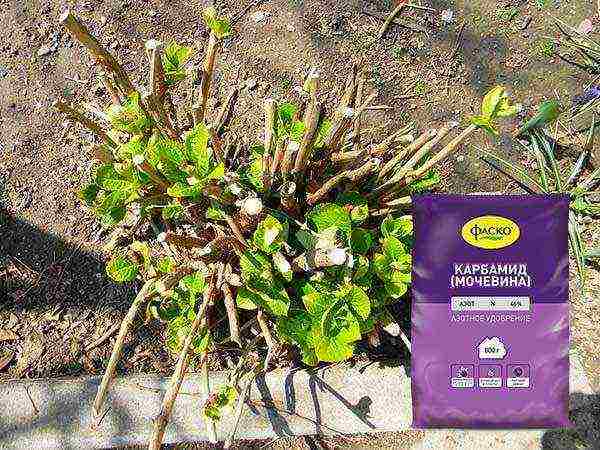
(272, 298)
(112, 217)
(122, 269)
(285, 113)
(485, 124)
(217, 402)
(425, 183)
(322, 132)
(220, 26)
(548, 112)
(173, 211)
(174, 58)
(184, 190)
(194, 284)
(513, 170)
(144, 250)
(328, 215)
(89, 193)
(400, 228)
(357, 298)
(496, 103)
(129, 117)
(196, 144)
(361, 241)
(578, 248)
(166, 265)
(135, 146)
(270, 235)
(178, 330)
(252, 174)
(215, 212)
(393, 248)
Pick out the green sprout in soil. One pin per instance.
(545, 48)
(302, 235)
(550, 178)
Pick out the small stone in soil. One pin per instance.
(3, 72)
(259, 16)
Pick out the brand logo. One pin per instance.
(490, 232)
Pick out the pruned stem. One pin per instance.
(78, 116)
(144, 294)
(226, 110)
(317, 259)
(158, 86)
(351, 175)
(99, 53)
(288, 198)
(417, 156)
(290, 151)
(443, 153)
(270, 140)
(232, 315)
(160, 422)
(264, 327)
(338, 130)
(311, 124)
(207, 73)
(418, 143)
(390, 18)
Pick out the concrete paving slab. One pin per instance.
(365, 398)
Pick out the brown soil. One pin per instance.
(54, 294)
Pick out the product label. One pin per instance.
(490, 310)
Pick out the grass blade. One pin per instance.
(514, 171)
(577, 247)
(541, 163)
(549, 152)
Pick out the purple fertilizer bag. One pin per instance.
(490, 312)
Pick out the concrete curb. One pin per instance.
(365, 398)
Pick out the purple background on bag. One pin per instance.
(439, 344)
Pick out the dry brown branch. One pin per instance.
(311, 124)
(78, 116)
(390, 18)
(350, 175)
(144, 294)
(417, 156)
(160, 422)
(232, 315)
(207, 73)
(98, 52)
(180, 240)
(288, 198)
(418, 143)
(112, 330)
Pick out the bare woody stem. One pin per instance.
(158, 86)
(114, 94)
(311, 123)
(225, 111)
(418, 143)
(443, 153)
(180, 240)
(78, 116)
(99, 53)
(269, 140)
(207, 73)
(145, 293)
(232, 315)
(160, 422)
(391, 17)
(264, 328)
(417, 156)
(351, 175)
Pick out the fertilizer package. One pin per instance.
(490, 311)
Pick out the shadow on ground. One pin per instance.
(585, 416)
